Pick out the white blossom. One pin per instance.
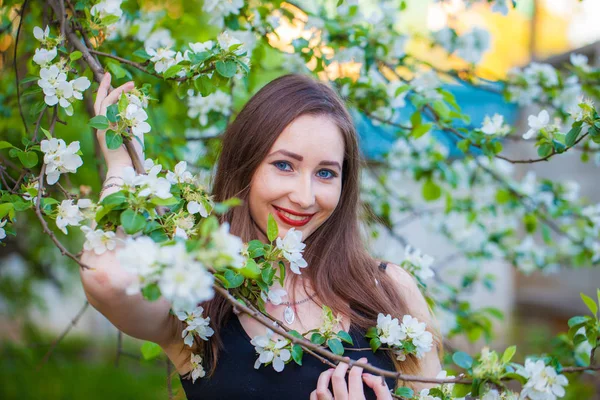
(184, 281)
(98, 240)
(219, 9)
(195, 207)
(292, 247)
(197, 368)
(153, 185)
(180, 175)
(580, 61)
(79, 85)
(275, 296)
(199, 47)
(140, 258)
(411, 328)
(270, 350)
(136, 117)
(106, 8)
(199, 106)
(44, 56)
(494, 125)
(2, 230)
(536, 123)
(472, 45)
(163, 58)
(420, 262)
(55, 86)
(226, 40)
(160, 38)
(543, 382)
(41, 35)
(69, 214)
(196, 325)
(388, 329)
(59, 158)
(229, 247)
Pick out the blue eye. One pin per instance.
(281, 165)
(327, 174)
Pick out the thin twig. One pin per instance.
(61, 337)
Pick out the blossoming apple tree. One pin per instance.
(190, 82)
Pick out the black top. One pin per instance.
(236, 378)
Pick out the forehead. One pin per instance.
(313, 137)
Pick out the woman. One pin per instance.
(292, 151)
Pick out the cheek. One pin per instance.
(330, 197)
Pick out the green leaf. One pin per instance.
(114, 199)
(76, 55)
(112, 113)
(335, 345)
(150, 351)
(272, 230)
(7, 208)
(170, 201)
(421, 130)
(5, 145)
(204, 85)
(461, 390)
(405, 392)
(317, 338)
(114, 140)
(122, 104)
(375, 343)
(132, 222)
(46, 133)
(462, 359)
(578, 320)
(371, 332)
(118, 71)
(544, 150)
(590, 303)
(267, 274)
(343, 335)
(151, 292)
(29, 159)
(431, 191)
(508, 354)
(99, 122)
(572, 136)
(172, 71)
(235, 279)
(226, 69)
(297, 353)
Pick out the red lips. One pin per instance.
(292, 222)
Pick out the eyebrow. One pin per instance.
(300, 158)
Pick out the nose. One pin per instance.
(303, 193)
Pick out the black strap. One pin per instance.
(383, 265)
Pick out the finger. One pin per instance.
(355, 383)
(379, 386)
(338, 381)
(313, 395)
(322, 391)
(113, 96)
(102, 91)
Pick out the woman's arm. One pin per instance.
(105, 282)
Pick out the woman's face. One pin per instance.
(300, 180)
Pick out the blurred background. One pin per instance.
(39, 301)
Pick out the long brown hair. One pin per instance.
(335, 252)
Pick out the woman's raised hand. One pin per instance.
(119, 158)
(353, 390)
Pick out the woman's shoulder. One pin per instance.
(408, 286)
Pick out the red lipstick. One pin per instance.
(293, 222)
